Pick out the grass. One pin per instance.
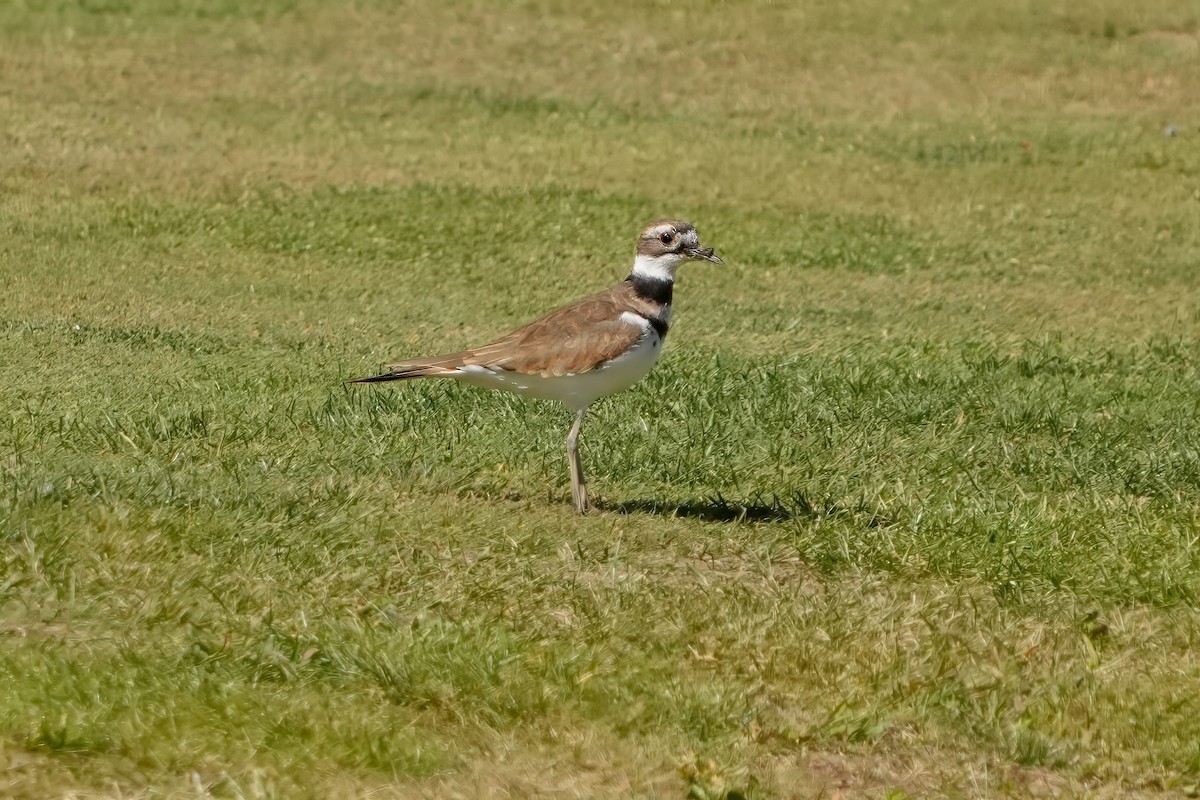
(910, 507)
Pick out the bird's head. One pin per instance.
(665, 245)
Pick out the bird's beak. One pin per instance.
(703, 254)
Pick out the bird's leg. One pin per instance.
(578, 486)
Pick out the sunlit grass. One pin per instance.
(908, 508)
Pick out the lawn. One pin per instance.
(909, 508)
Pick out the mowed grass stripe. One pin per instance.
(900, 448)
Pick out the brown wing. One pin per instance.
(575, 338)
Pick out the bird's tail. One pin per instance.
(424, 368)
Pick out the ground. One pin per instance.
(909, 507)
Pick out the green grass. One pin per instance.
(909, 508)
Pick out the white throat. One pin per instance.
(659, 268)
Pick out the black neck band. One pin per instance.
(656, 290)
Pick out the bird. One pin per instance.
(587, 349)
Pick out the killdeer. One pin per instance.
(585, 350)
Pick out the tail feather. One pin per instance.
(400, 372)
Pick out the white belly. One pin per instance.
(575, 391)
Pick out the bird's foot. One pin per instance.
(579, 495)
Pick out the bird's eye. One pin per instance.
(666, 238)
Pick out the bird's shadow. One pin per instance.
(715, 509)
(773, 509)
